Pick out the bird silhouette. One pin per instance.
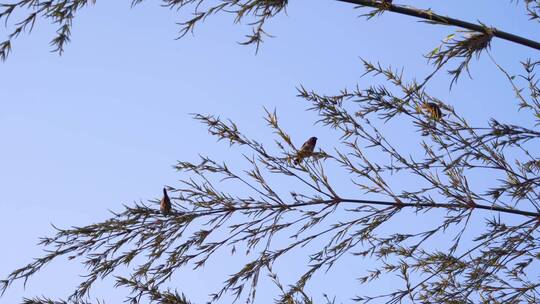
(165, 205)
(306, 150)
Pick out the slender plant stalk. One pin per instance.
(428, 15)
(380, 203)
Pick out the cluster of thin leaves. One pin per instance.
(494, 266)
(464, 47)
(533, 9)
(533, 102)
(461, 46)
(62, 12)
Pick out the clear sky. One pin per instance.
(102, 125)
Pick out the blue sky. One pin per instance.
(101, 125)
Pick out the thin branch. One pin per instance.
(366, 202)
(432, 17)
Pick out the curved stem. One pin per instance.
(428, 15)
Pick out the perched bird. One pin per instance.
(433, 110)
(165, 205)
(306, 150)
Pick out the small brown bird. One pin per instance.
(306, 150)
(433, 110)
(165, 205)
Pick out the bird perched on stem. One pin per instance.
(433, 110)
(165, 205)
(306, 150)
